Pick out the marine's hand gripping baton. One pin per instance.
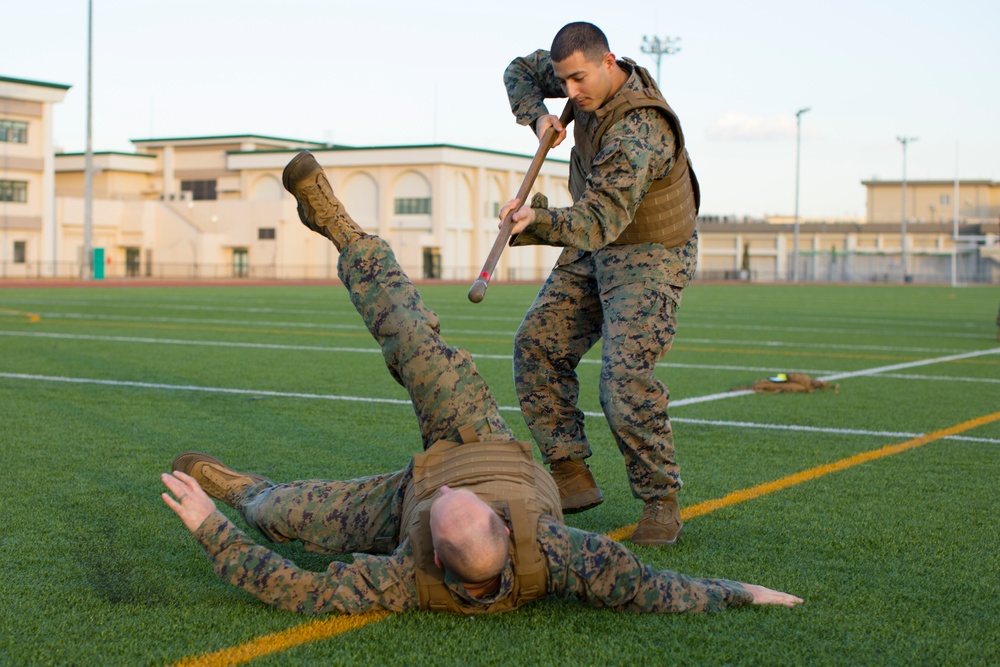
(478, 289)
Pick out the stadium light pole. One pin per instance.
(954, 227)
(902, 224)
(658, 48)
(798, 154)
(88, 162)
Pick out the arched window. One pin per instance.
(267, 188)
(360, 196)
(412, 195)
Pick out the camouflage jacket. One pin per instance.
(634, 152)
(593, 568)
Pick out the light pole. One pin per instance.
(88, 168)
(798, 154)
(902, 223)
(658, 48)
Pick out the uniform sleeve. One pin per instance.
(634, 152)
(602, 573)
(529, 81)
(370, 582)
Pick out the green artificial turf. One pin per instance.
(896, 558)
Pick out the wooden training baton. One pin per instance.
(478, 289)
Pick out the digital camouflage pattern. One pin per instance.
(625, 295)
(362, 516)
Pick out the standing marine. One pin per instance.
(630, 248)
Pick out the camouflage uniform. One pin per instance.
(363, 515)
(624, 294)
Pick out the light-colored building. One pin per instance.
(28, 236)
(847, 252)
(215, 207)
(934, 201)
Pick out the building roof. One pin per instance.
(28, 82)
(938, 183)
(337, 148)
(228, 138)
(96, 153)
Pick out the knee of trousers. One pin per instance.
(626, 397)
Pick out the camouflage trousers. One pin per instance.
(568, 317)
(363, 515)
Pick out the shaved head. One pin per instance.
(469, 538)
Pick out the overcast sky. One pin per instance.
(388, 72)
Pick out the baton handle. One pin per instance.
(478, 289)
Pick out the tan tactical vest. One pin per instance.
(668, 212)
(504, 475)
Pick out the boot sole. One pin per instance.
(297, 169)
(659, 543)
(186, 461)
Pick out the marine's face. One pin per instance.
(588, 84)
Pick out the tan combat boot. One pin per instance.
(218, 481)
(577, 488)
(661, 522)
(319, 208)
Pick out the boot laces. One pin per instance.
(322, 203)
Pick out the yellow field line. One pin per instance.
(744, 495)
(330, 627)
(32, 317)
(284, 640)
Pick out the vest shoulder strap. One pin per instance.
(530, 567)
(431, 590)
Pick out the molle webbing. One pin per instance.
(669, 210)
(494, 471)
(504, 475)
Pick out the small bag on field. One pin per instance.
(784, 383)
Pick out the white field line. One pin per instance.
(695, 320)
(841, 376)
(394, 401)
(213, 390)
(199, 343)
(467, 332)
(498, 357)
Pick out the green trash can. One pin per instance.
(98, 263)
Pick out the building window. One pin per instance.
(200, 190)
(16, 191)
(13, 132)
(265, 233)
(20, 251)
(413, 206)
(945, 200)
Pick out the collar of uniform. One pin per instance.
(458, 590)
(630, 84)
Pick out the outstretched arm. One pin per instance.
(763, 595)
(370, 582)
(600, 572)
